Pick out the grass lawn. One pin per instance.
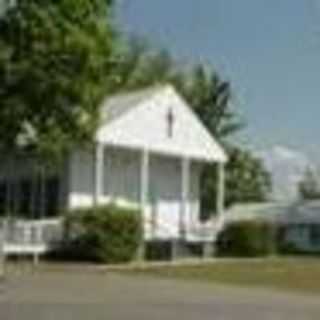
(301, 274)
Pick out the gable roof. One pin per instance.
(115, 106)
(266, 211)
(138, 120)
(282, 213)
(304, 213)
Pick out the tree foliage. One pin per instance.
(56, 59)
(210, 97)
(141, 67)
(247, 180)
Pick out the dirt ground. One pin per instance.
(93, 295)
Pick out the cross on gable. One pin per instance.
(170, 123)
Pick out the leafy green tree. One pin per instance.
(56, 64)
(210, 97)
(309, 186)
(141, 67)
(57, 61)
(247, 180)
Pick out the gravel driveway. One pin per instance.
(88, 295)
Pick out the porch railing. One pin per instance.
(27, 234)
(195, 231)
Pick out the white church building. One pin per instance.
(149, 152)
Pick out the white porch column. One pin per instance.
(185, 191)
(98, 164)
(144, 195)
(221, 189)
(144, 181)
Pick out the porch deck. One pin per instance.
(37, 237)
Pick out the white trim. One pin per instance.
(220, 189)
(185, 191)
(144, 181)
(98, 163)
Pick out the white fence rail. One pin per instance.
(30, 236)
(195, 231)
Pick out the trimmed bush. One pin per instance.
(105, 234)
(247, 239)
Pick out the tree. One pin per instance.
(210, 97)
(141, 67)
(247, 180)
(56, 64)
(57, 61)
(309, 186)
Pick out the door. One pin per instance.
(165, 194)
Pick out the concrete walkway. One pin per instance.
(95, 296)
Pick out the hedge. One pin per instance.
(106, 234)
(247, 239)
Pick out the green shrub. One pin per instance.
(290, 249)
(105, 234)
(247, 239)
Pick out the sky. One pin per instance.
(268, 49)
